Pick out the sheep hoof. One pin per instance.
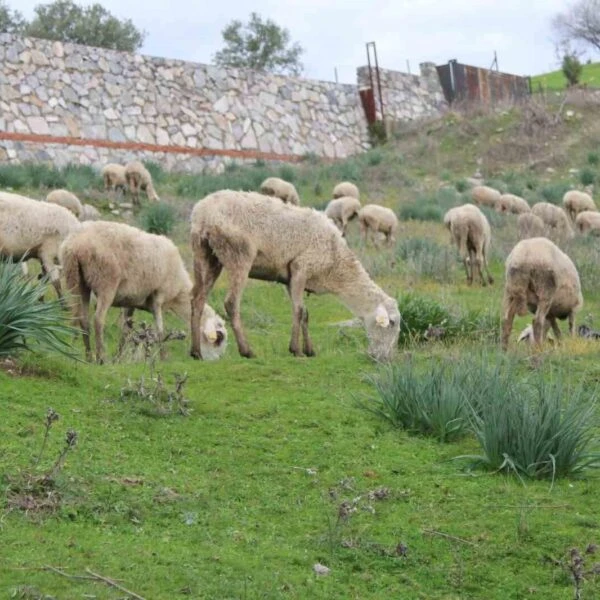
(491, 280)
(195, 354)
(247, 354)
(310, 353)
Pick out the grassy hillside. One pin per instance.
(276, 464)
(556, 81)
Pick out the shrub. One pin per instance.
(156, 171)
(571, 68)
(79, 178)
(419, 211)
(374, 157)
(593, 158)
(424, 318)
(432, 404)
(461, 185)
(288, 173)
(426, 258)
(377, 133)
(158, 218)
(554, 193)
(587, 176)
(539, 429)
(12, 177)
(25, 322)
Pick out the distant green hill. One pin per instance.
(557, 81)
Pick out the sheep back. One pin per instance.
(346, 188)
(66, 199)
(279, 188)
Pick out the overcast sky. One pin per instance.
(333, 32)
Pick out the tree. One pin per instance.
(260, 45)
(572, 68)
(11, 21)
(92, 25)
(580, 23)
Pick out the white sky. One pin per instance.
(333, 32)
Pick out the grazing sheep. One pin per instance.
(470, 231)
(67, 200)
(346, 189)
(530, 225)
(342, 210)
(127, 267)
(139, 178)
(284, 190)
(114, 178)
(89, 213)
(378, 219)
(32, 229)
(575, 202)
(541, 278)
(250, 235)
(484, 195)
(555, 219)
(588, 221)
(509, 203)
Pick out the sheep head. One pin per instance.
(383, 329)
(213, 337)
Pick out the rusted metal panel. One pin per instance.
(367, 97)
(473, 84)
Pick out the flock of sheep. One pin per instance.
(539, 277)
(268, 236)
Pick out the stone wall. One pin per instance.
(66, 103)
(406, 97)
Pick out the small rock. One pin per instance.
(320, 569)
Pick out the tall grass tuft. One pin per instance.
(25, 322)
(553, 193)
(426, 258)
(431, 207)
(537, 429)
(158, 218)
(431, 403)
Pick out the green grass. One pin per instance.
(274, 465)
(556, 81)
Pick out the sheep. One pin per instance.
(139, 178)
(251, 235)
(588, 221)
(342, 210)
(346, 189)
(470, 231)
(129, 268)
(541, 278)
(378, 219)
(114, 178)
(33, 229)
(530, 225)
(484, 195)
(67, 199)
(555, 219)
(575, 202)
(274, 186)
(509, 203)
(89, 213)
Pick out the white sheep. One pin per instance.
(66, 199)
(470, 231)
(575, 202)
(530, 225)
(342, 210)
(284, 190)
(139, 178)
(541, 278)
(588, 221)
(509, 203)
(484, 195)
(89, 213)
(375, 219)
(114, 178)
(129, 268)
(346, 188)
(555, 219)
(33, 229)
(251, 235)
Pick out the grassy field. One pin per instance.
(276, 464)
(556, 81)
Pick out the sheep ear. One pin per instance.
(381, 316)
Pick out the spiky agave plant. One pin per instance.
(25, 322)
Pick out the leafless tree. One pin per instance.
(579, 23)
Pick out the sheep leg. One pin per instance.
(555, 328)
(571, 323)
(363, 231)
(477, 262)
(160, 329)
(103, 303)
(47, 260)
(206, 272)
(82, 316)
(510, 311)
(299, 313)
(539, 321)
